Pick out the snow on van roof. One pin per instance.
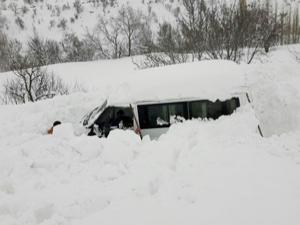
(211, 79)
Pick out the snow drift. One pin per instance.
(200, 172)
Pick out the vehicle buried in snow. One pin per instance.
(173, 94)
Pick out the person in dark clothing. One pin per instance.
(122, 121)
(56, 123)
(118, 121)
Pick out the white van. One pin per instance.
(159, 97)
(154, 118)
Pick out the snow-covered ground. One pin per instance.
(275, 89)
(200, 172)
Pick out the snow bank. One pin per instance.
(274, 86)
(215, 172)
(200, 172)
(212, 79)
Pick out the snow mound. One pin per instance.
(274, 89)
(211, 79)
(198, 170)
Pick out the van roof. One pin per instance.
(211, 79)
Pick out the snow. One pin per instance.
(44, 17)
(274, 88)
(41, 14)
(210, 79)
(216, 172)
(199, 172)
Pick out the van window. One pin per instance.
(125, 114)
(112, 117)
(214, 109)
(220, 108)
(178, 112)
(231, 105)
(163, 115)
(106, 116)
(152, 116)
(198, 109)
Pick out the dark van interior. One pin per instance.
(164, 114)
(112, 118)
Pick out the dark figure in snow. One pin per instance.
(122, 121)
(118, 121)
(50, 130)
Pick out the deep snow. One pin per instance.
(200, 172)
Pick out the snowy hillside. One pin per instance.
(200, 172)
(53, 18)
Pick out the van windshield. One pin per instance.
(114, 117)
(90, 117)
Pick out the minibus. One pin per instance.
(153, 118)
(160, 97)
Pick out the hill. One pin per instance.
(52, 19)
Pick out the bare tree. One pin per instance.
(145, 38)
(129, 20)
(192, 23)
(3, 52)
(93, 40)
(111, 31)
(37, 49)
(170, 42)
(259, 28)
(31, 83)
(53, 52)
(239, 30)
(222, 33)
(168, 50)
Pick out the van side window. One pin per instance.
(231, 105)
(163, 115)
(152, 116)
(178, 112)
(214, 109)
(198, 109)
(218, 108)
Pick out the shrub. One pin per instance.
(31, 83)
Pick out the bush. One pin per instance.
(31, 83)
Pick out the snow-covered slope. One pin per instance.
(200, 172)
(53, 18)
(275, 89)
